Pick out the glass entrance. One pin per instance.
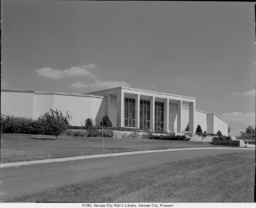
(159, 116)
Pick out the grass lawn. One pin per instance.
(223, 178)
(20, 147)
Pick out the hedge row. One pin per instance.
(89, 133)
(227, 141)
(21, 125)
(168, 137)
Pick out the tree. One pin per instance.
(187, 128)
(229, 129)
(199, 129)
(219, 133)
(88, 124)
(106, 121)
(54, 122)
(250, 130)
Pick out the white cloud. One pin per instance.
(188, 79)
(78, 85)
(235, 93)
(100, 84)
(4, 84)
(75, 71)
(239, 117)
(249, 93)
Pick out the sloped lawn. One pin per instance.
(222, 178)
(20, 147)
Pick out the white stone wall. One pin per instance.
(32, 104)
(15, 103)
(201, 119)
(220, 125)
(42, 104)
(79, 108)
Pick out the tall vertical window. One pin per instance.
(159, 116)
(129, 115)
(144, 114)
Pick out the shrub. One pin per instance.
(187, 128)
(225, 141)
(219, 133)
(106, 121)
(89, 123)
(20, 125)
(54, 122)
(199, 130)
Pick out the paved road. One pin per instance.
(17, 181)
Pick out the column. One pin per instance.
(120, 108)
(152, 113)
(166, 115)
(109, 106)
(137, 111)
(192, 117)
(179, 124)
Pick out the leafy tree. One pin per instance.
(250, 130)
(54, 122)
(219, 133)
(89, 123)
(199, 129)
(187, 128)
(106, 121)
(229, 129)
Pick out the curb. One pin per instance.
(34, 162)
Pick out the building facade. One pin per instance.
(126, 107)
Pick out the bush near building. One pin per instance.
(223, 140)
(51, 123)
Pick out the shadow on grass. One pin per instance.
(43, 137)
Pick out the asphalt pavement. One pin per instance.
(23, 180)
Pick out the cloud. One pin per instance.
(239, 117)
(249, 93)
(100, 84)
(188, 79)
(78, 85)
(75, 71)
(235, 93)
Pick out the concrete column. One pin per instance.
(152, 113)
(192, 117)
(166, 115)
(109, 105)
(120, 108)
(137, 111)
(179, 124)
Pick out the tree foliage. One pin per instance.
(89, 124)
(187, 128)
(199, 129)
(219, 133)
(106, 121)
(54, 122)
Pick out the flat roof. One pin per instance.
(51, 93)
(142, 90)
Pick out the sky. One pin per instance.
(204, 50)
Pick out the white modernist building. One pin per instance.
(126, 107)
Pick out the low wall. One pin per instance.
(197, 138)
(128, 134)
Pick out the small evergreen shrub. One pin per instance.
(199, 130)
(219, 133)
(89, 123)
(106, 121)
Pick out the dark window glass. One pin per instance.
(129, 112)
